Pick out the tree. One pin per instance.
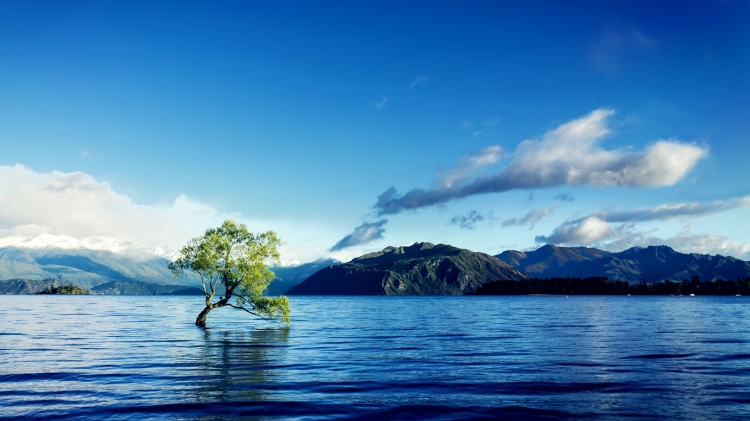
(234, 258)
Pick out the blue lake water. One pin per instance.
(525, 357)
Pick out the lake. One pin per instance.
(518, 357)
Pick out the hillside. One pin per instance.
(87, 263)
(288, 276)
(27, 286)
(650, 264)
(419, 269)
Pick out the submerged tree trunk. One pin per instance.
(201, 320)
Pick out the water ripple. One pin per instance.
(536, 358)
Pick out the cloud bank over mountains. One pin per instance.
(598, 229)
(595, 227)
(75, 204)
(568, 155)
(66, 242)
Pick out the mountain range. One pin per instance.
(422, 268)
(84, 264)
(107, 266)
(648, 264)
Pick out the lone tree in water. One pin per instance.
(234, 258)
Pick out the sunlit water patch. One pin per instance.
(118, 357)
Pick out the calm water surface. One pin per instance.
(528, 357)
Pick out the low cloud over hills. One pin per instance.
(87, 263)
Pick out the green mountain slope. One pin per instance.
(419, 269)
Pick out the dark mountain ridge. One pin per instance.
(649, 264)
(419, 269)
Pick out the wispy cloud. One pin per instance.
(363, 234)
(530, 218)
(468, 221)
(567, 155)
(380, 104)
(492, 122)
(597, 226)
(563, 197)
(418, 80)
(613, 48)
(678, 210)
(467, 167)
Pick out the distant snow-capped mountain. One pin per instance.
(100, 243)
(87, 262)
(94, 261)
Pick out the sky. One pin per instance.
(347, 127)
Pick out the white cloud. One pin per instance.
(709, 244)
(567, 155)
(570, 155)
(467, 167)
(380, 104)
(598, 230)
(627, 236)
(586, 231)
(418, 80)
(579, 231)
(76, 204)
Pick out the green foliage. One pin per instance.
(233, 261)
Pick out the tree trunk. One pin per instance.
(201, 320)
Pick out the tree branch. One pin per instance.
(203, 282)
(254, 314)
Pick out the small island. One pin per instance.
(63, 290)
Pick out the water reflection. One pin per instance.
(240, 365)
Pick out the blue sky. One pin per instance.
(153, 121)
